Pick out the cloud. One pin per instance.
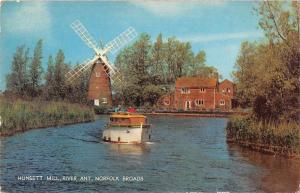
(173, 8)
(28, 18)
(199, 38)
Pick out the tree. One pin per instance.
(151, 94)
(17, 80)
(49, 84)
(178, 57)
(149, 70)
(61, 68)
(77, 91)
(35, 70)
(267, 74)
(134, 64)
(158, 70)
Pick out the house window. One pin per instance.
(185, 90)
(228, 90)
(222, 102)
(98, 74)
(202, 90)
(223, 90)
(199, 102)
(96, 102)
(104, 100)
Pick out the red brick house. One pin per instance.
(196, 93)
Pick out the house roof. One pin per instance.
(196, 82)
(226, 80)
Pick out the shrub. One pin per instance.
(22, 115)
(250, 129)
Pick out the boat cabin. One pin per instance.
(127, 119)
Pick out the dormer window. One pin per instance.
(185, 90)
(202, 89)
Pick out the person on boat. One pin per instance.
(131, 110)
(118, 108)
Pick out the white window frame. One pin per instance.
(190, 105)
(98, 74)
(202, 90)
(185, 90)
(96, 102)
(199, 102)
(222, 102)
(104, 100)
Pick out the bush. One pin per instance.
(22, 115)
(102, 109)
(249, 129)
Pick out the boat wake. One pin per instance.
(90, 141)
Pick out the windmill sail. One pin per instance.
(83, 33)
(117, 43)
(78, 71)
(103, 73)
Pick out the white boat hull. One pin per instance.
(130, 135)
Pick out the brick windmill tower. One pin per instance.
(103, 73)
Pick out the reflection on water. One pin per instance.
(188, 154)
(278, 174)
(128, 149)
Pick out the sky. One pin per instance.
(217, 27)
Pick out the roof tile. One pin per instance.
(196, 82)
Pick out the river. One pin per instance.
(186, 154)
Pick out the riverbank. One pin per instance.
(197, 113)
(278, 139)
(20, 115)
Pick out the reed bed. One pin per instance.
(277, 138)
(19, 115)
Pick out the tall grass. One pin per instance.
(285, 135)
(20, 115)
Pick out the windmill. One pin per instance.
(102, 72)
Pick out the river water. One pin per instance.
(186, 154)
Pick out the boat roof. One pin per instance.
(126, 115)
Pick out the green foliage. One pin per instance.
(267, 74)
(20, 115)
(35, 70)
(101, 109)
(49, 77)
(26, 77)
(17, 80)
(77, 90)
(149, 69)
(151, 94)
(61, 68)
(248, 129)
